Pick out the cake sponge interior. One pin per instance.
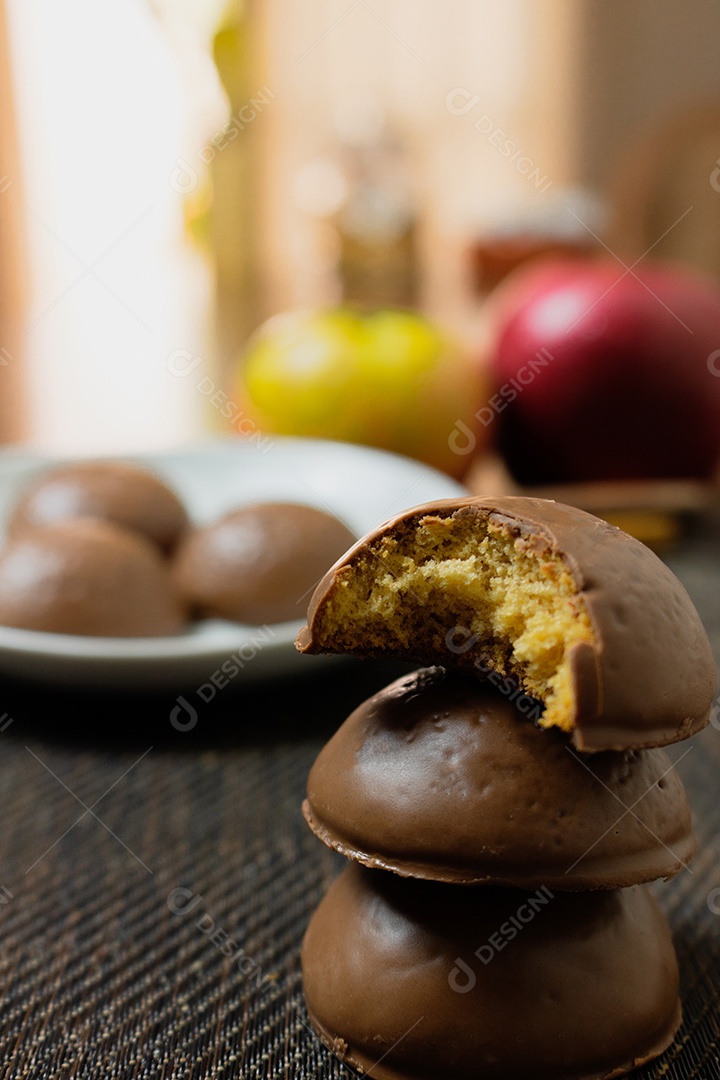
(463, 591)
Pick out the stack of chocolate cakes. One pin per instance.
(503, 808)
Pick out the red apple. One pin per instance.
(606, 374)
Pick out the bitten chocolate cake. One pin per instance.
(587, 619)
(442, 776)
(411, 979)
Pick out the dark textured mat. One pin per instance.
(155, 885)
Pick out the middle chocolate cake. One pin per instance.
(441, 776)
(584, 617)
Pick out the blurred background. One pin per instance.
(173, 173)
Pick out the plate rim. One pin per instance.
(145, 661)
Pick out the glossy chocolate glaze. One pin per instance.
(409, 980)
(441, 776)
(117, 492)
(259, 563)
(649, 678)
(88, 577)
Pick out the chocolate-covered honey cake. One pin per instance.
(411, 980)
(586, 618)
(441, 776)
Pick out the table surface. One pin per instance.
(127, 845)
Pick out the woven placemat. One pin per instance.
(155, 884)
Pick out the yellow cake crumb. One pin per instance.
(451, 585)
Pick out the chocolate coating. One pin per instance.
(440, 776)
(87, 577)
(258, 563)
(648, 679)
(117, 492)
(414, 980)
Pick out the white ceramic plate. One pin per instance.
(360, 485)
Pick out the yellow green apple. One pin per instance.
(390, 379)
